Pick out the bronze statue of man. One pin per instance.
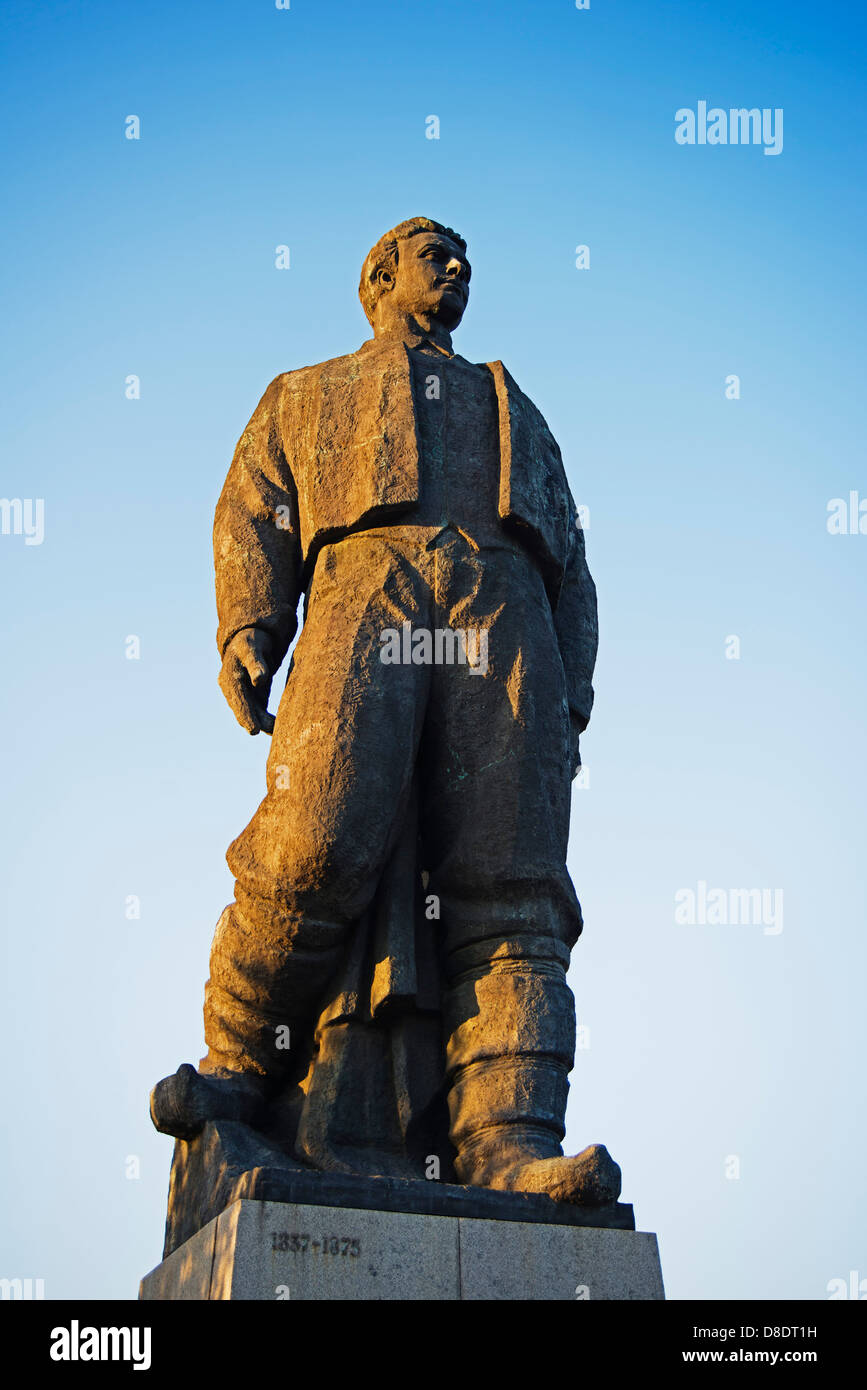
(404, 490)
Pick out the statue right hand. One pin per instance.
(245, 679)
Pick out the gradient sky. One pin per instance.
(155, 257)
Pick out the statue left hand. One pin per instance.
(245, 679)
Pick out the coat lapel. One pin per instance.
(365, 455)
(533, 487)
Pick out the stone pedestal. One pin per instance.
(292, 1250)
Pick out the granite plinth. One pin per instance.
(257, 1250)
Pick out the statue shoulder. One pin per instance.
(520, 401)
(300, 380)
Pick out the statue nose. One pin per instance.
(454, 269)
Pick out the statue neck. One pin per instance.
(413, 330)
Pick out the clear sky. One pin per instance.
(725, 1062)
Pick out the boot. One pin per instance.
(182, 1104)
(510, 1048)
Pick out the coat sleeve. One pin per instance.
(257, 550)
(576, 624)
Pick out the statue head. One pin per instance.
(417, 270)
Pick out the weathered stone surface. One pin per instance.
(300, 1252)
(521, 1262)
(186, 1272)
(387, 992)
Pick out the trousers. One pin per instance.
(370, 704)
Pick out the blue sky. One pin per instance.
(708, 515)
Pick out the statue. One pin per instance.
(388, 989)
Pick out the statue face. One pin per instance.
(433, 277)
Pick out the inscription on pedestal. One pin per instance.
(285, 1251)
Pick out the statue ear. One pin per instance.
(384, 278)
